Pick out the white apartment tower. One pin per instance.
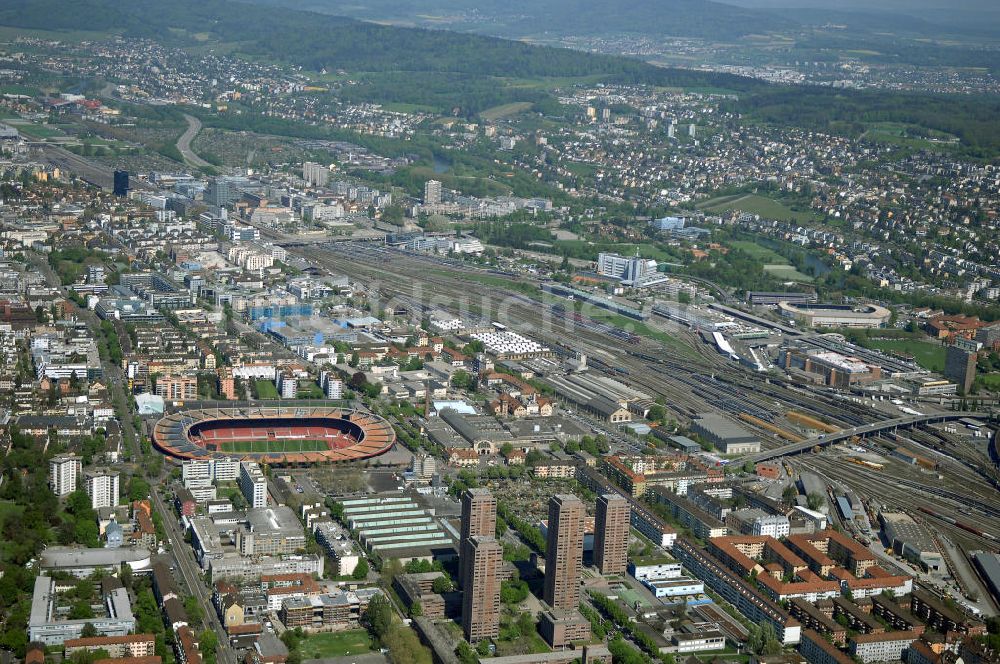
(288, 386)
(102, 488)
(253, 484)
(432, 192)
(64, 472)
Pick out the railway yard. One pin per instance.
(954, 499)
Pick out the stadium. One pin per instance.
(279, 435)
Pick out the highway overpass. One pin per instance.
(877, 427)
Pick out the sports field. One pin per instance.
(927, 354)
(335, 644)
(273, 446)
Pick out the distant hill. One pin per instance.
(320, 41)
(931, 17)
(660, 18)
(460, 72)
(463, 74)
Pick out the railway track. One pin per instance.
(690, 383)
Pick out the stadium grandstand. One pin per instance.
(282, 435)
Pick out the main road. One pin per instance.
(191, 573)
(182, 553)
(184, 142)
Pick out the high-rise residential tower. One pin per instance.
(479, 519)
(564, 552)
(481, 595)
(611, 534)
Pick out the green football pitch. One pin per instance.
(273, 446)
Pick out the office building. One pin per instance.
(727, 436)
(121, 184)
(479, 519)
(270, 531)
(315, 174)
(481, 595)
(432, 192)
(219, 193)
(611, 529)
(632, 270)
(102, 488)
(253, 484)
(53, 628)
(64, 471)
(564, 552)
(960, 363)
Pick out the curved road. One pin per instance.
(184, 142)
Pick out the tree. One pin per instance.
(442, 584)
(193, 608)
(483, 648)
(461, 380)
(762, 640)
(377, 618)
(657, 413)
(815, 501)
(465, 653)
(361, 570)
(416, 609)
(80, 610)
(89, 631)
(208, 644)
(513, 592)
(358, 381)
(138, 488)
(789, 493)
(390, 570)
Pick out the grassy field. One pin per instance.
(274, 446)
(265, 389)
(335, 644)
(775, 263)
(39, 131)
(990, 381)
(928, 355)
(497, 282)
(753, 204)
(897, 133)
(551, 82)
(758, 251)
(788, 273)
(505, 110)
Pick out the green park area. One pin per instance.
(774, 263)
(265, 389)
(505, 110)
(767, 208)
(336, 644)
